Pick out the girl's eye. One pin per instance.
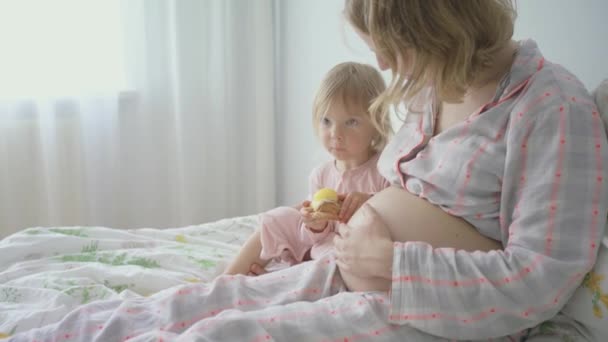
(325, 121)
(352, 122)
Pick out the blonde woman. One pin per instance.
(496, 214)
(354, 138)
(509, 143)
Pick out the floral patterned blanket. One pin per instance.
(47, 272)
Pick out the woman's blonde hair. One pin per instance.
(356, 85)
(450, 42)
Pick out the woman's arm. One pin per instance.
(365, 247)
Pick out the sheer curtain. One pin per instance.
(182, 134)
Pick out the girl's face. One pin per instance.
(346, 132)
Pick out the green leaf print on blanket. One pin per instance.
(546, 330)
(64, 231)
(87, 293)
(89, 253)
(69, 231)
(204, 263)
(90, 248)
(143, 262)
(80, 232)
(118, 288)
(592, 282)
(10, 295)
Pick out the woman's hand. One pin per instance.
(351, 202)
(365, 248)
(314, 225)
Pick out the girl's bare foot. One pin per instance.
(256, 270)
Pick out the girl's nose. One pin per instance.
(336, 133)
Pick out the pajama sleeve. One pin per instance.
(384, 183)
(553, 213)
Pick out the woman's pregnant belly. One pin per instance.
(410, 218)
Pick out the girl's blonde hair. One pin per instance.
(356, 85)
(450, 42)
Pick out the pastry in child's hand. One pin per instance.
(325, 205)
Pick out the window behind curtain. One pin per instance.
(60, 48)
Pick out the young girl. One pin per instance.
(354, 138)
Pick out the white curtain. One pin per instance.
(186, 137)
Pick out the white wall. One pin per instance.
(579, 43)
(313, 38)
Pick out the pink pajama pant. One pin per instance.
(284, 235)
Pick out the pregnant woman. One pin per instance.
(498, 205)
(503, 139)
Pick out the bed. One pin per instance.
(47, 272)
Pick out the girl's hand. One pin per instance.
(314, 225)
(365, 248)
(351, 202)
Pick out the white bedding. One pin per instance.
(61, 275)
(47, 272)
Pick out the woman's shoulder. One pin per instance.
(552, 100)
(536, 83)
(552, 89)
(556, 78)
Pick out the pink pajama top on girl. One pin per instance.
(527, 169)
(283, 233)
